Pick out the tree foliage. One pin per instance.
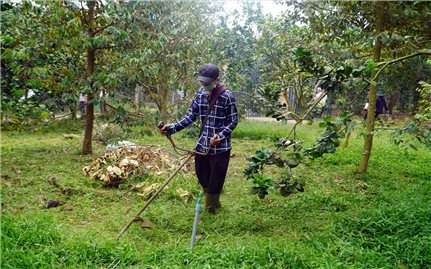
(58, 49)
(35, 60)
(169, 42)
(391, 29)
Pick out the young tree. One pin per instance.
(51, 39)
(280, 71)
(164, 58)
(102, 23)
(34, 59)
(397, 33)
(235, 42)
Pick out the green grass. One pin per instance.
(342, 220)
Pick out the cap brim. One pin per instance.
(205, 79)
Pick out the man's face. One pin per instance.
(208, 86)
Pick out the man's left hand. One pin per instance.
(215, 140)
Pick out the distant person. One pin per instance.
(30, 93)
(102, 101)
(381, 107)
(217, 124)
(319, 93)
(365, 109)
(82, 104)
(321, 105)
(328, 102)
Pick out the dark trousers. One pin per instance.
(211, 171)
(82, 105)
(376, 116)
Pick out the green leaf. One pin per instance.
(413, 147)
(6, 39)
(323, 124)
(328, 119)
(370, 65)
(44, 115)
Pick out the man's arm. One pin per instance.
(188, 119)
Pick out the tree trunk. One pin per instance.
(368, 141)
(88, 135)
(89, 116)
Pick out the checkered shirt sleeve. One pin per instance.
(222, 120)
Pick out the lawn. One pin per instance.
(342, 220)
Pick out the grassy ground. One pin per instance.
(379, 220)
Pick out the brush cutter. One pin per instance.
(196, 221)
(188, 153)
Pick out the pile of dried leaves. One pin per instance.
(117, 166)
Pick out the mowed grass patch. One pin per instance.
(342, 220)
(263, 130)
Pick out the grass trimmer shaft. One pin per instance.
(154, 196)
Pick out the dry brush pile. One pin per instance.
(145, 162)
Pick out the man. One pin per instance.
(82, 104)
(381, 105)
(365, 109)
(217, 125)
(320, 107)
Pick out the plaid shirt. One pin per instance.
(222, 119)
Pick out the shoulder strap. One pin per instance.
(213, 98)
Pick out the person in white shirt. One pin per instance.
(82, 104)
(321, 105)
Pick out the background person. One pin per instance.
(381, 105)
(102, 101)
(365, 109)
(321, 105)
(82, 104)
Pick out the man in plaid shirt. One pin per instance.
(215, 136)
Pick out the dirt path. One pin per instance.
(268, 119)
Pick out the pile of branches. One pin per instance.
(117, 166)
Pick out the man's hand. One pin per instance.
(162, 128)
(215, 140)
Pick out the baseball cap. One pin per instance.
(208, 73)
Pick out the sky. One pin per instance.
(268, 6)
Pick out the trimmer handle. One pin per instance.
(160, 125)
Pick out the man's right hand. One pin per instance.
(163, 129)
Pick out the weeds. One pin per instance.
(379, 220)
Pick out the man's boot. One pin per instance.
(212, 202)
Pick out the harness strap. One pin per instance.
(219, 89)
